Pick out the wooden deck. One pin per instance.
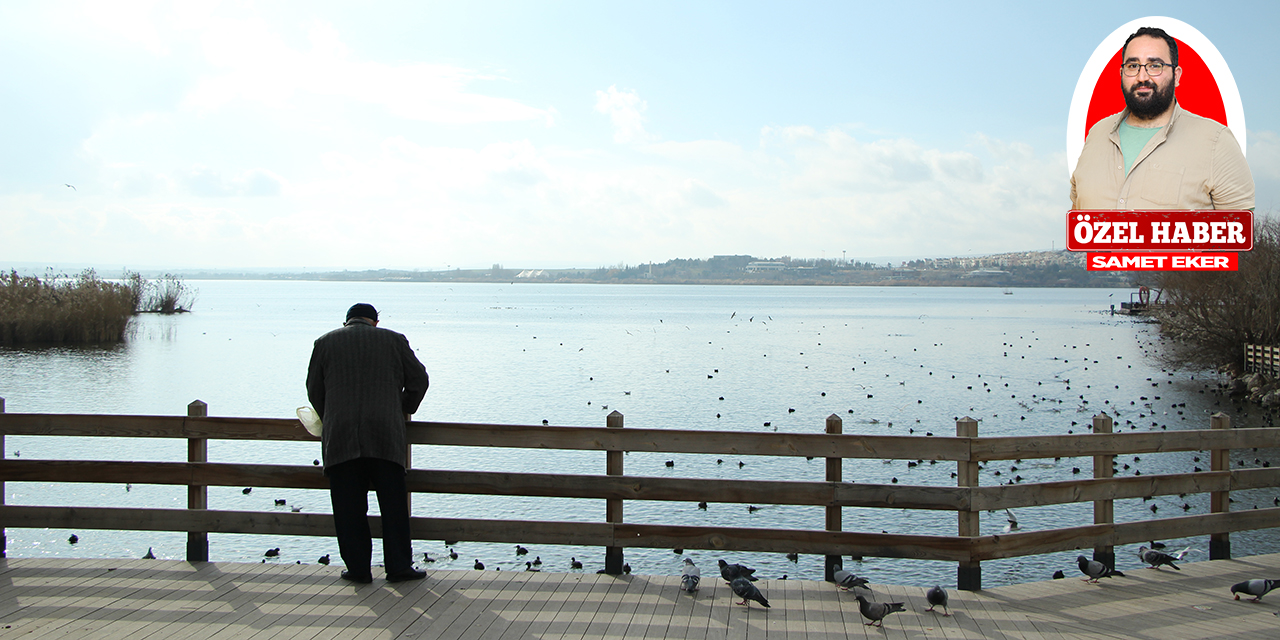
(164, 599)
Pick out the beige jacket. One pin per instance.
(1191, 163)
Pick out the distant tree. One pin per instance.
(1210, 316)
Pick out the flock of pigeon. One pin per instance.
(1154, 558)
(741, 579)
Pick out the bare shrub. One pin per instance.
(1211, 316)
(167, 295)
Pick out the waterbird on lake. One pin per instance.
(280, 502)
(453, 555)
(537, 561)
(73, 539)
(528, 566)
(1255, 588)
(877, 611)
(271, 553)
(295, 509)
(426, 557)
(1058, 575)
(690, 576)
(1095, 570)
(520, 551)
(747, 591)
(1156, 558)
(150, 555)
(574, 564)
(703, 505)
(324, 559)
(626, 568)
(731, 571)
(937, 597)
(478, 566)
(247, 490)
(793, 556)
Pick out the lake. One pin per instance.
(891, 361)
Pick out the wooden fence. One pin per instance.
(1262, 358)
(968, 500)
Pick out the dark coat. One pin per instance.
(362, 381)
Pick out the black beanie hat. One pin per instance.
(362, 310)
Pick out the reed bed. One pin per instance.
(57, 309)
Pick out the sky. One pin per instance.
(440, 135)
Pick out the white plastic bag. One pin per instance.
(310, 421)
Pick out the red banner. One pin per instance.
(1166, 231)
(1162, 261)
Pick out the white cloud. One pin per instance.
(625, 109)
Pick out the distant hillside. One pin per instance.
(1019, 269)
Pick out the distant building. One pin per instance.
(764, 266)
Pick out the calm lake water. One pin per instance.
(893, 361)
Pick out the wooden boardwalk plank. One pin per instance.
(161, 599)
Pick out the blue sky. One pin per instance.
(557, 134)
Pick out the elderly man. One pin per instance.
(363, 382)
(1153, 154)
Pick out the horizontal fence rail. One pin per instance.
(968, 500)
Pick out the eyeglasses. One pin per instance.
(1154, 69)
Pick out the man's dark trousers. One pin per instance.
(349, 484)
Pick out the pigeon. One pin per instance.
(876, 611)
(937, 597)
(1156, 558)
(747, 591)
(846, 580)
(1095, 569)
(1255, 588)
(690, 576)
(731, 571)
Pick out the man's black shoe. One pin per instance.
(362, 578)
(402, 576)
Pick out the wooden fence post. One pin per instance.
(1220, 501)
(613, 506)
(197, 495)
(969, 573)
(1104, 510)
(4, 540)
(834, 519)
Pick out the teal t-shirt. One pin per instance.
(1132, 141)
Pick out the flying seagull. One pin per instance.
(73, 188)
